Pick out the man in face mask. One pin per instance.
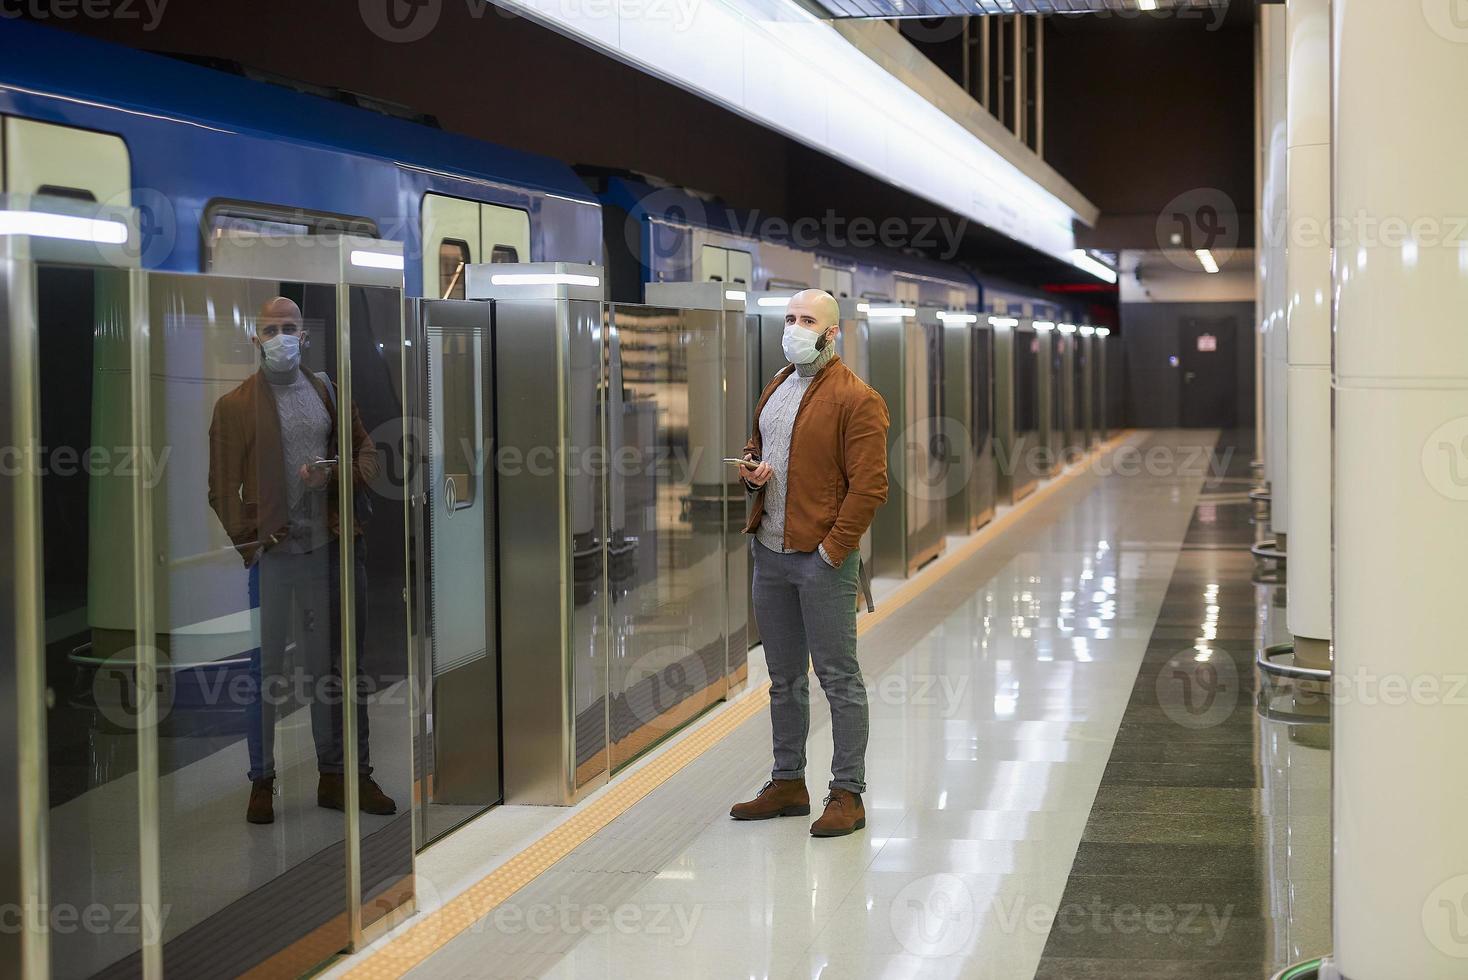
(820, 437)
(273, 451)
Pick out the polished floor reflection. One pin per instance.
(1053, 719)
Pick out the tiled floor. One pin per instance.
(1031, 747)
(1209, 842)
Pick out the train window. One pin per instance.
(459, 438)
(713, 264)
(43, 158)
(453, 256)
(504, 233)
(741, 267)
(236, 220)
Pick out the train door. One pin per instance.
(838, 282)
(459, 722)
(457, 233)
(459, 730)
(730, 265)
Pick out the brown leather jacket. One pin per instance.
(837, 474)
(246, 465)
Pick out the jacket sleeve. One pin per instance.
(865, 462)
(365, 462)
(226, 477)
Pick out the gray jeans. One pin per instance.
(299, 599)
(806, 611)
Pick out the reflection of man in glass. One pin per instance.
(273, 454)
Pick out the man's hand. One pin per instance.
(758, 476)
(315, 476)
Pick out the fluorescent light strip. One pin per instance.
(957, 317)
(1082, 260)
(1210, 264)
(376, 260)
(863, 307)
(68, 227)
(1087, 331)
(1003, 322)
(1044, 326)
(543, 279)
(1066, 328)
(1146, 4)
(737, 295)
(891, 311)
(774, 301)
(1103, 332)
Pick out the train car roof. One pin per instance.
(629, 191)
(48, 61)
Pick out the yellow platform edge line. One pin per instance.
(437, 927)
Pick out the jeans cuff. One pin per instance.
(788, 774)
(849, 786)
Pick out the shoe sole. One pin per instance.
(860, 823)
(253, 820)
(789, 811)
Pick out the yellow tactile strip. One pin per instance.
(436, 928)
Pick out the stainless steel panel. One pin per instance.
(554, 544)
(907, 364)
(1051, 436)
(1017, 367)
(968, 422)
(1082, 391)
(736, 501)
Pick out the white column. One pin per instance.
(1307, 279)
(1401, 489)
(1272, 30)
(1260, 98)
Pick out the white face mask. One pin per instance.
(282, 352)
(800, 344)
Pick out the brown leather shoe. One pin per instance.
(779, 798)
(844, 815)
(331, 791)
(371, 798)
(262, 804)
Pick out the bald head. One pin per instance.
(816, 310)
(278, 315)
(817, 304)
